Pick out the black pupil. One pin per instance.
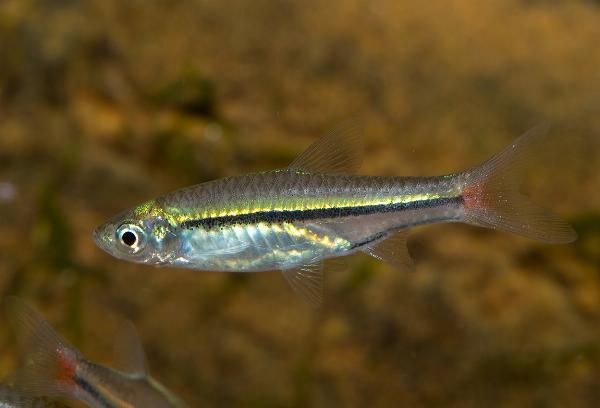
(128, 238)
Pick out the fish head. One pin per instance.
(140, 235)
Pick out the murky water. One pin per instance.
(104, 104)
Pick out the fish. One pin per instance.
(292, 219)
(57, 369)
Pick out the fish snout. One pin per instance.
(103, 237)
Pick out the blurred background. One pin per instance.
(107, 103)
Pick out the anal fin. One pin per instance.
(307, 282)
(392, 250)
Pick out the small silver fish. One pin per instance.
(294, 218)
(57, 369)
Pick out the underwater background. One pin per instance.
(107, 103)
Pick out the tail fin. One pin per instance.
(492, 198)
(51, 361)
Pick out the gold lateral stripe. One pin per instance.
(324, 240)
(178, 215)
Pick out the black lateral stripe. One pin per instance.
(370, 239)
(90, 389)
(274, 217)
(386, 234)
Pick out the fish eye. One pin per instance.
(131, 237)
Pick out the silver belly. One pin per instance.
(259, 247)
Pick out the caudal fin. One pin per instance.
(492, 198)
(50, 360)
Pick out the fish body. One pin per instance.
(104, 387)
(292, 219)
(57, 369)
(288, 218)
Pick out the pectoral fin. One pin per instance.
(307, 282)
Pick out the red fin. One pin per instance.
(472, 196)
(65, 370)
(51, 360)
(492, 200)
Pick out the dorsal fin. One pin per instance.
(128, 351)
(393, 250)
(338, 151)
(307, 282)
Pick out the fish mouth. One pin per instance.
(103, 238)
